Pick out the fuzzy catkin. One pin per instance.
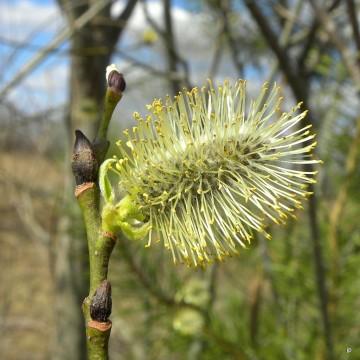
(210, 167)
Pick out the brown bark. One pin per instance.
(172, 58)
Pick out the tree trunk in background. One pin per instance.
(172, 59)
(91, 48)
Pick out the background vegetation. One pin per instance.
(294, 297)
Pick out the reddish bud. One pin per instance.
(115, 79)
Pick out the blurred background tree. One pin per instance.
(294, 297)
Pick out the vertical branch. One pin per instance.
(299, 87)
(170, 45)
(255, 307)
(211, 279)
(340, 200)
(173, 57)
(355, 26)
(310, 40)
(286, 34)
(354, 71)
(233, 45)
(216, 57)
(87, 82)
(86, 90)
(346, 55)
(268, 273)
(85, 164)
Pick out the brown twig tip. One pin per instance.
(109, 234)
(83, 187)
(84, 163)
(115, 79)
(101, 326)
(101, 303)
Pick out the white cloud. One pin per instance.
(19, 19)
(194, 32)
(34, 23)
(190, 29)
(43, 89)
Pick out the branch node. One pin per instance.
(79, 189)
(109, 235)
(98, 325)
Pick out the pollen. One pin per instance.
(211, 167)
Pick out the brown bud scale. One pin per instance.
(84, 163)
(101, 303)
(116, 81)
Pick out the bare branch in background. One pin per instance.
(173, 58)
(348, 58)
(23, 204)
(215, 62)
(59, 39)
(18, 46)
(285, 36)
(225, 9)
(25, 210)
(338, 207)
(352, 13)
(150, 69)
(150, 285)
(297, 84)
(96, 51)
(300, 89)
(256, 301)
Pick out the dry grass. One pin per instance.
(26, 291)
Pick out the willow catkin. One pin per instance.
(208, 169)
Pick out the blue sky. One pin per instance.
(47, 85)
(33, 22)
(20, 20)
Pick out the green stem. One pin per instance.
(86, 158)
(97, 342)
(100, 244)
(111, 100)
(88, 200)
(100, 248)
(101, 143)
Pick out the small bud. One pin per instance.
(84, 164)
(149, 37)
(100, 307)
(115, 79)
